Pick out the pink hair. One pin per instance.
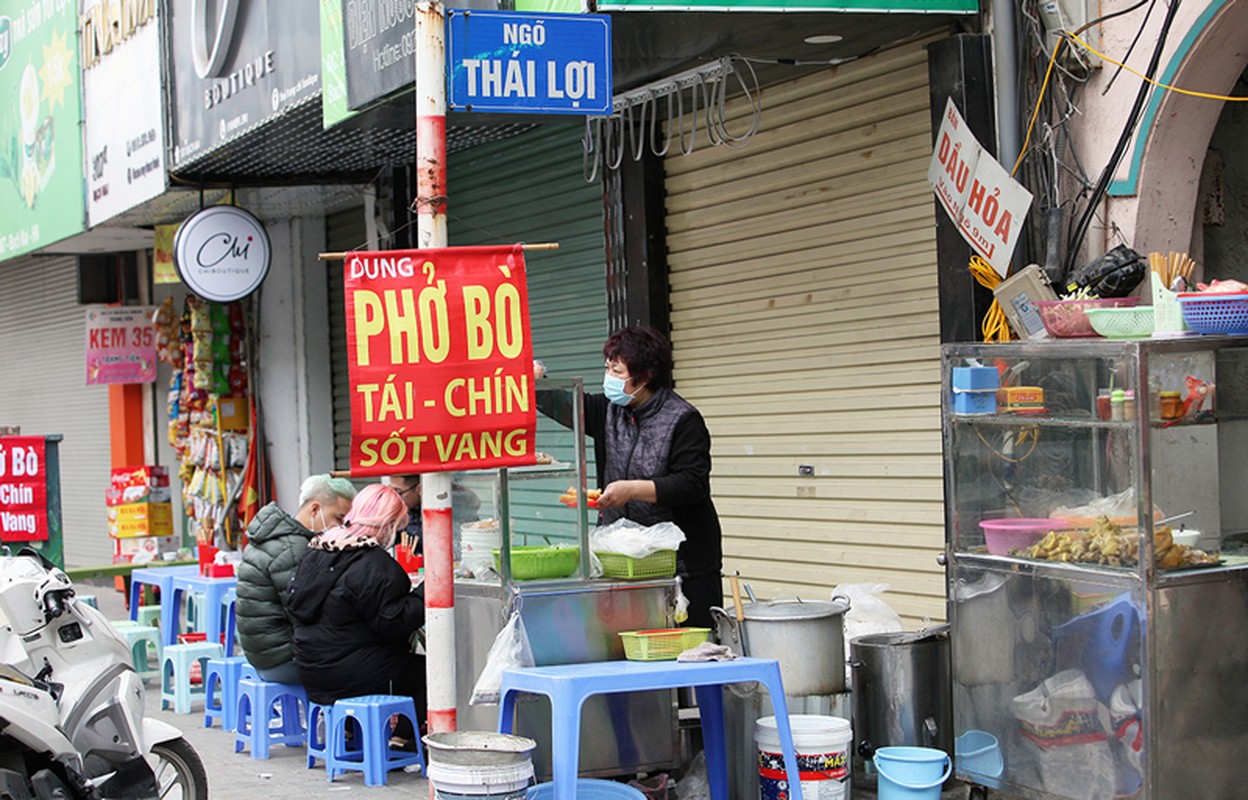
(379, 509)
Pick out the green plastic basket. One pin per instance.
(1122, 323)
(661, 645)
(659, 564)
(537, 562)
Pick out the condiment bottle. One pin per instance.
(1116, 400)
(1128, 404)
(1103, 408)
(1171, 405)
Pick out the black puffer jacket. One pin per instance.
(355, 612)
(276, 544)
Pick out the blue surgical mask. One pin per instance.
(613, 388)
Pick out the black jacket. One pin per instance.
(355, 612)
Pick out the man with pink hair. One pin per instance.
(355, 610)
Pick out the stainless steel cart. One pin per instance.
(569, 620)
(1084, 680)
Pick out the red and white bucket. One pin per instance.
(823, 757)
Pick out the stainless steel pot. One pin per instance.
(901, 694)
(805, 636)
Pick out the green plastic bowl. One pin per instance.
(540, 561)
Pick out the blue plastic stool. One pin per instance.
(257, 702)
(144, 644)
(374, 757)
(320, 722)
(196, 618)
(162, 579)
(208, 615)
(88, 599)
(568, 685)
(589, 789)
(228, 602)
(221, 677)
(175, 674)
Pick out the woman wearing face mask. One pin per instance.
(653, 454)
(355, 610)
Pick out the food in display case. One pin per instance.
(1106, 543)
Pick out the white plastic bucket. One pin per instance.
(480, 782)
(823, 757)
(475, 544)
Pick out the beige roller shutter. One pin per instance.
(805, 325)
(43, 389)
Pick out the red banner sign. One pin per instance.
(23, 489)
(440, 359)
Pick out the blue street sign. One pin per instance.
(529, 63)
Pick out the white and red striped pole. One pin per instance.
(435, 487)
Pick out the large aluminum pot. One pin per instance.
(805, 636)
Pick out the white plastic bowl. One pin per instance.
(1188, 538)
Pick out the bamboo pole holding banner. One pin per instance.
(343, 256)
(435, 487)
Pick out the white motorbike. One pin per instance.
(71, 704)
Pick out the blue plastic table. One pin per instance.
(213, 590)
(162, 579)
(569, 685)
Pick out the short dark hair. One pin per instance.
(646, 352)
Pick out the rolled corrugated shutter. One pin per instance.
(805, 326)
(44, 390)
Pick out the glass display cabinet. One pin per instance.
(1096, 519)
(570, 617)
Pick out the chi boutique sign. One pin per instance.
(222, 253)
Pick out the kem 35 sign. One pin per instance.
(525, 63)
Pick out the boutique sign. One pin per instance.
(222, 253)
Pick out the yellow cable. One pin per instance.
(1036, 111)
(994, 327)
(1141, 75)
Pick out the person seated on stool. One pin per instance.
(276, 543)
(356, 611)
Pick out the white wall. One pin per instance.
(293, 362)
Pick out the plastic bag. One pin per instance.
(867, 614)
(635, 540)
(510, 650)
(695, 785)
(1068, 730)
(682, 605)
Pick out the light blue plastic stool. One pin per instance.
(175, 674)
(144, 644)
(569, 685)
(221, 678)
(195, 616)
(149, 615)
(257, 701)
(373, 757)
(228, 602)
(320, 722)
(88, 599)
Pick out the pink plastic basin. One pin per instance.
(1015, 533)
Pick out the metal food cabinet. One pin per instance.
(1092, 681)
(568, 620)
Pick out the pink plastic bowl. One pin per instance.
(1011, 533)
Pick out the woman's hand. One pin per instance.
(618, 493)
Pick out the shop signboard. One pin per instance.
(238, 66)
(41, 188)
(440, 359)
(222, 253)
(379, 47)
(987, 205)
(528, 63)
(121, 344)
(23, 489)
(847, 6)
(333, 66)
(125, 129)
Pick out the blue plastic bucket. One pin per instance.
(980, 753)
(911, 773)
(589, 789)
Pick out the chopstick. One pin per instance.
(1171, 267)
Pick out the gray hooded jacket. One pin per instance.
(277, 543)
